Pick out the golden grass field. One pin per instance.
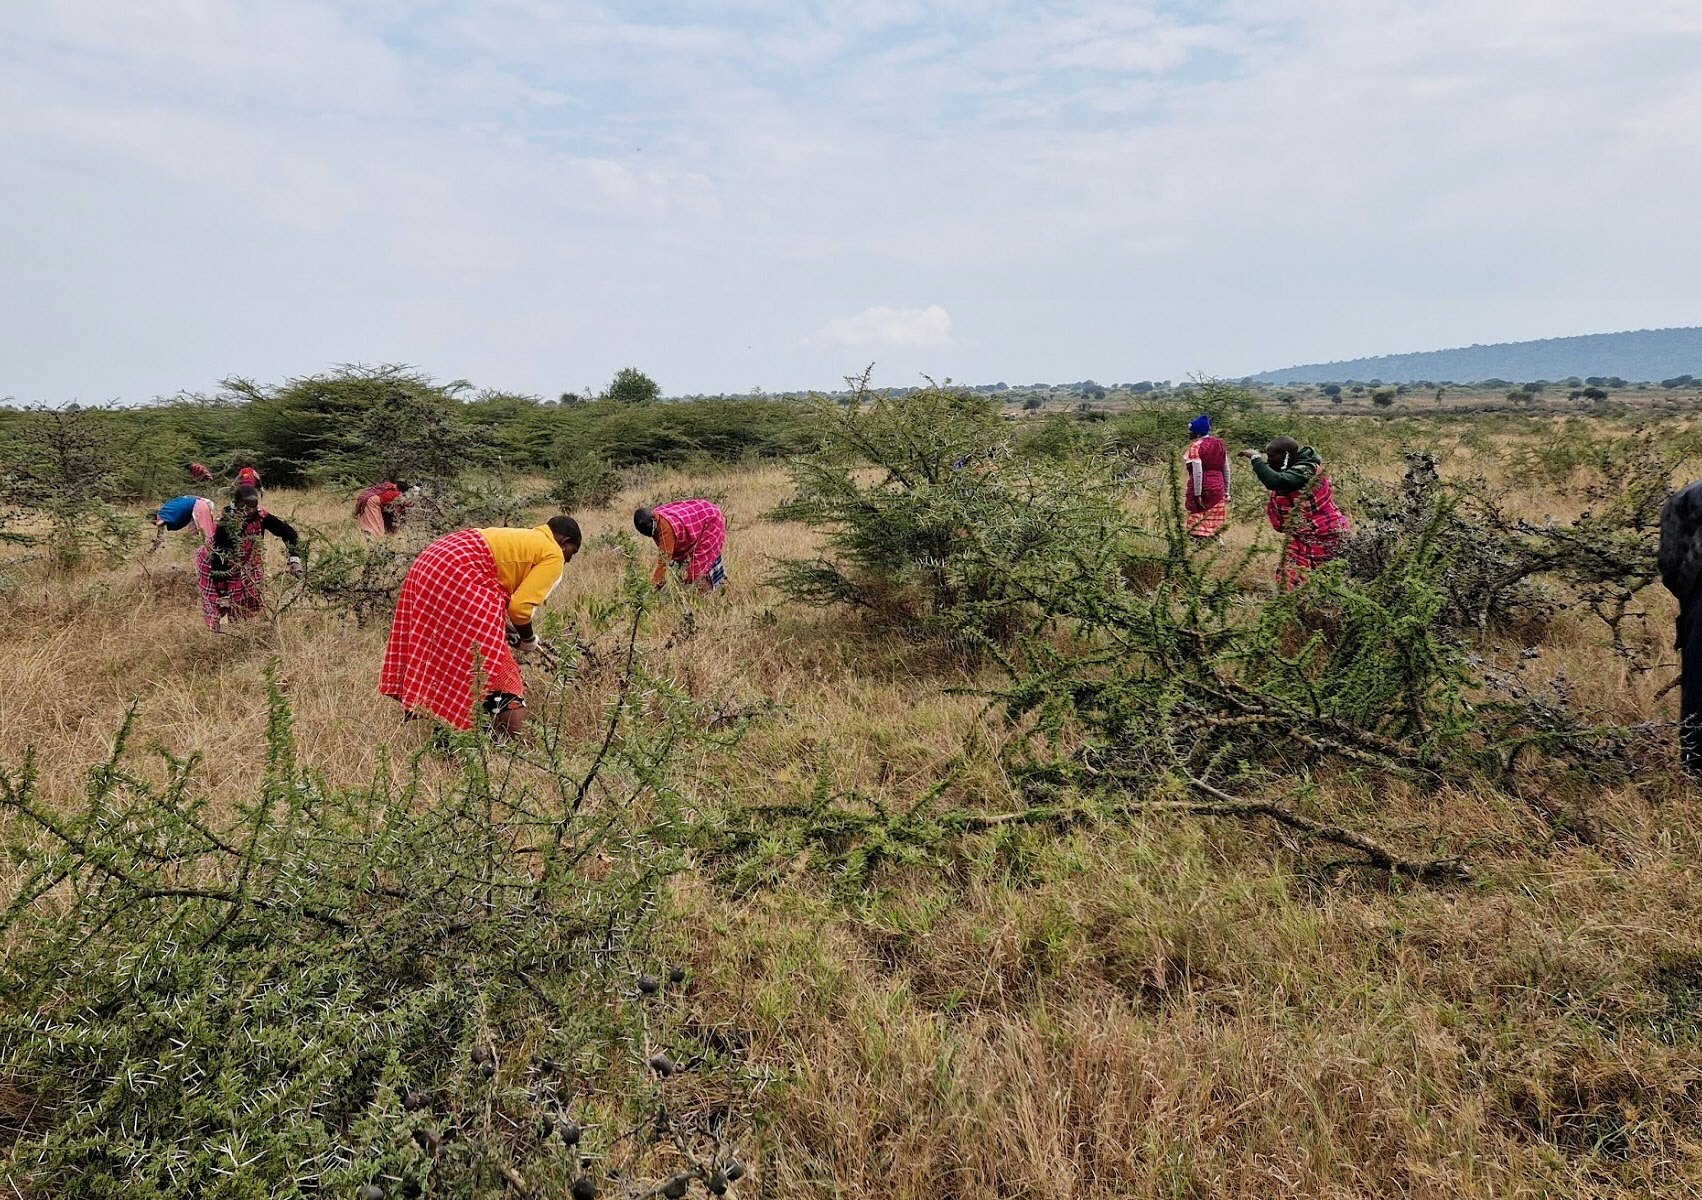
(1160, 1008)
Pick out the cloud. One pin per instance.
(533, 193)
(877, 328)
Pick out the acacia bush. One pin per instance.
(58, 484)
(1180, 698)
(1503, 573)
(386, 990)
(625, 435)
(926, 514)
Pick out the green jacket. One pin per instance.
(1303, 464)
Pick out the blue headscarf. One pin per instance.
(1200, 425)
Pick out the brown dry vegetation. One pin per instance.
(1171, 1007)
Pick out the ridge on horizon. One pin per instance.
(1637, 354)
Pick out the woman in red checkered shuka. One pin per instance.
(449, 651)
(1302, 507)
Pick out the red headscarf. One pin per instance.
(200, 473)
(248, 477)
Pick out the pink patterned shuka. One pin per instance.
(700, 534)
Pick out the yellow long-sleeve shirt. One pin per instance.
(528, 565)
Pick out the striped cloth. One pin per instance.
(1207, 523)
(238, 593)
(700, 534)
(450, 628)
(1205, 498)
(1312, 527)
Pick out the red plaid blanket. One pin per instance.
(450, 629)
(1312, 526)
(242, 588)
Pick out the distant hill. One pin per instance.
(1643, 354)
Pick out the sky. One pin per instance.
(733, 194)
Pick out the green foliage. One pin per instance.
(723, 431)
(938, 533)
(57, 473)
(632, 386)
(585, 480)
(357, 423)
(1501, 573)
(314, 988)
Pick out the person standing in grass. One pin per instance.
(448, 650)
(1680, 560)
(232, 563)
(1205, 497)
(690, 534)
(378, 509)
(1302, 507)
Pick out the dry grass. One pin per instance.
(1155, 1010)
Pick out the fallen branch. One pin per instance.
(1222, 804)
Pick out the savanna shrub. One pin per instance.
(314, 988)
(726, 431)
(585, 480)
(358, 423)
(58, 474)
(929, 521)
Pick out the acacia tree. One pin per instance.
(57, 469)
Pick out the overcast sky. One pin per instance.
(531, 194)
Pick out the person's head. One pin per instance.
(644, 520)
(245, 498)
(565, 530)
(1280, 450)
(401, 485)
(1200, 425)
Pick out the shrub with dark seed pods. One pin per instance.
(661, 1064)
(570, 1133)
(427, 1140)
(676, 974)
(481, 1054)
(584, 1188)
(716, 1183)
(735, 1170)
(649, 984)
(413, 1100)
(676, 1187)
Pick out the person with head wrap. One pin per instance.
(200, 473)
(1302, 507)
(232, 564)
(1205, 496)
